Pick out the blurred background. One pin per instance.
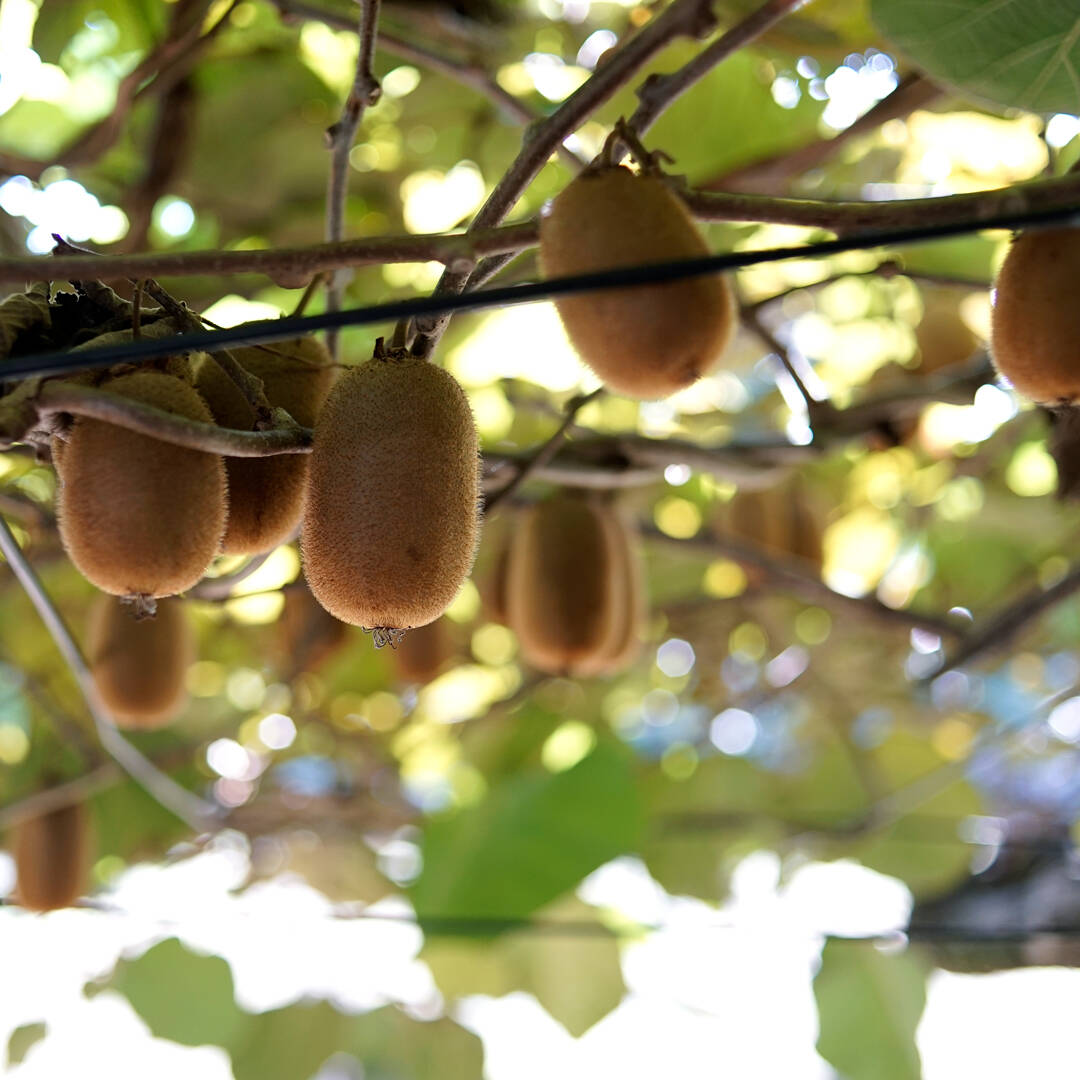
(816, 820)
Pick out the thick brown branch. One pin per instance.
(62, 397)
(292, 263)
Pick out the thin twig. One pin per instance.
(53, 798)
(658, 92)
(544, 454)
(196, 813)
(60, 397)
(220, 588)
(771, 174)
(467, 74)
(365, 92)
(682, 18)
(999, 630)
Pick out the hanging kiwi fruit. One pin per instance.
(779, 521)
(140, 664)
(574, 587)
(1036, 322)
(648, 341)
(140, 517)
(266, 494)
(52, 858)
(391, 523)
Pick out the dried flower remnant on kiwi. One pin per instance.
(648, 341)
(391, 523)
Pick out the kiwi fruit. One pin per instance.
(52, 855)
(308, 636)
(139, 664)
(625, 633)
(568, 587)
(778, 521)
(424, 653)
(391, 523)
(266, 495)
(1035, 323)
(944, 340)
(648, 341)
(137, 516)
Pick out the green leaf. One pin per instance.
(537, 964)
(869, 1004)
(533, 838)
(181, 995)
(22, 1041)
(1007, 52)
(189, 999)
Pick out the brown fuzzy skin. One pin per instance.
(424, 653)
(944, 339)
(52, 856)
(139, 665)
(562, 589)
(624, 639)
(140, 517)
(266, 495)
(392, 518)
(651, 340)
(1036, 320)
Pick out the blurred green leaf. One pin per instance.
(23, 1040)
(181, 995)
(869, 1004)
(539, 964)
(531, 839)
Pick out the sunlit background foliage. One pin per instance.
(679, 842)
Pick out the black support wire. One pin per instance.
(270, 330)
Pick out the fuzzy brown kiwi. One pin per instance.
(266, 495)
(651, 340)
(52, 857)
(137, 516)
(625, 633)
(561, 586)
(391, 523)
(943, 338)
(139, 665)
(423, 653)
(1036, 321)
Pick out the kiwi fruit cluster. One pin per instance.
(139, 664)
(648, 341)
(1036, 321)
(391, 523)
(52, 858)
(266, 494)
(575, 589)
